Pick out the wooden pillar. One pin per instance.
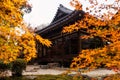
(79, 42)
(62, 37)
(70, 46)
(39, 50)
(63, 40)
(42, 51)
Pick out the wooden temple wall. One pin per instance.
(65, 46)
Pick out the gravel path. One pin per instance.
(99, 72)
(45, 71)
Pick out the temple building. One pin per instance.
(64, 46)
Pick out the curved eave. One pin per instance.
(64, 9)
(65, 20)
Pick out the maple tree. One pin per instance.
(16, 39)
(106, 27)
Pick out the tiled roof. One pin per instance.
(67, 16)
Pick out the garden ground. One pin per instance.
(36, 70)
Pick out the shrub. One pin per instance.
(3, 68)
(18, 66)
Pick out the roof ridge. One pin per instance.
(64, 9)
(61, 12)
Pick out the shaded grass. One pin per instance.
(60, 77)
(54, 77)
(46, 77)
(113, 77)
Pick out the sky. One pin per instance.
(43, 11)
